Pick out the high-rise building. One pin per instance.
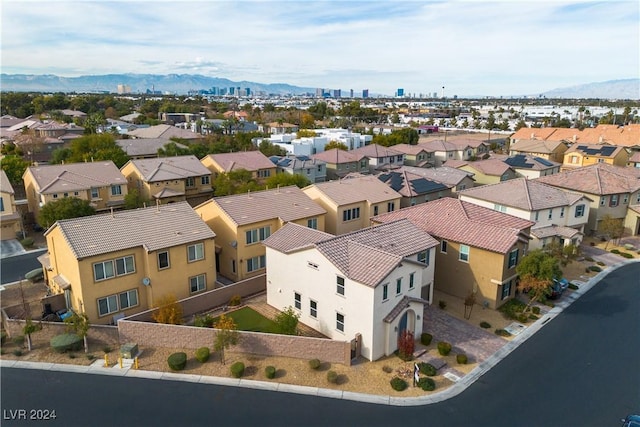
(122, 89)
(232, 90)
(319, 92)
(365, 93)
(351, 93)
(247, 91)
(337, 93)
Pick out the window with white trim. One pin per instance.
(205, 180)
(128, 299)
(464, 253)
(312, 223)
(385, 292)
(116, 190)
(313, 309)
(625, 199)
(190, 182)
(95, 193)
(443, 246)
(513, 257)
(195, 252)
(107, 305)
(603, 200)
(506, 290)
(423, 257)
(264, 173)
(103, 270)
(197, 283)
(399, 286)
(125, 265)
(550, 214)
(340, 322)
(257, 234)
(537, 216)
(391, 206)
(562, 212)
(350, 214)
(579, 211)
(256, 263)
(340, 285)
(499, 208)
(613, 202)
(297, 300)
(411, 280)
(163, 260)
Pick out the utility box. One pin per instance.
(129, 350)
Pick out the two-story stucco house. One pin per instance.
(313, 169)
(366, 287)
(414, 188)
(479, 248)
(10, 220)
(548, 150)
(380, 158)
(416, 155)
(242, 221)
(611, 189)
(489, 171)
(255, 162)
(341, 162)
(579, 155)
(101, 183)
(350, 202)
(169, 179)
(531, 167)
(559, 216)
(118, 264)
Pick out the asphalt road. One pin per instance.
(581, 369)
(13, 268)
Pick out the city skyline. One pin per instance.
(467, 47)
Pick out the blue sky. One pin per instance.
(508, 47)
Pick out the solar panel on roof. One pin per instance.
(543, 161)
(303, 158)
(518, 161)
(605, 150)
(422, 186)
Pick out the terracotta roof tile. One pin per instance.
(248, 160)
(168, 168)
(76, 176)
(293, 237)
(535, 146)
(600, 179)
(491, 167)
(5, 185)
(444, 174)
(336, 156)
(353, 190)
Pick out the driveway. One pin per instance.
(10, 247)
(601, 255)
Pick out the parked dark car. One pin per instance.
(558, 287)
(631, 421)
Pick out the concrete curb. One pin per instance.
(440, 396)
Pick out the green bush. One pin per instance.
(205, 321)
(235, 300)
(314, 363)
(462, 359)
(595, 268)
(332, 377)
(522, 318)
(17, 352)
(535, 310)
(512, 308)
(202, 354)
(66, 342)
(18, 340)
(427, 384)
(502, 333)
(177, 361)
(90, 357)
(237, 369)
(425, 338)
(398, 384)
(533, 317)
(588, 259)
(625, 255)
(573, 287)
(444, 348)
(427, 369)
(600, 263)
(270, 372)
(3, 337)
(615, 251)
(442, 304)
(27, 242)
(485, 325)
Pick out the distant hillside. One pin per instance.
(612, 89)
(139, 83)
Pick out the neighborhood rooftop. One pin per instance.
(444, 174)
(292, 237)
(76, 176)
(464, 222)
(287, 203)
(248, 160)
(153, 228)
(524, 194)
(351, 190)
(170, 168)
(600, 178)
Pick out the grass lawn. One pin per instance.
(248, 319)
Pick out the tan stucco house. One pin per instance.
(242, 221)
(255, 162)
(579, 155)
(10, 218)
(119, 263)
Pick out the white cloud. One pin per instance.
(471, 47)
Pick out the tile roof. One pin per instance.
(352, 190)
(535, 146)
(401, 306)
(410, 149)
(464, 142)
(144, 146)
(600, 179)
(164, 132)
(454, 163)
(409, 184)
(626, 136)
(5, 185)
(287, 203)
(168, 168)
(438, 145)
(247, 160)
(491, 167)
(464, 222)
(554, 230)
(635, 157)
(76, 176)
(336, 156)
(375, 151)
(532, 133)
(444, 174)
(295, 163)
(595, 150)
(369, 255)
(293, 237)
(153, 228)
(525, 161)
(522, 193)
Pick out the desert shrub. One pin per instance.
(502, 333)
(90, 357)
(27, 242)
(595, 268)
(485, 325)
(18, 340)
(314, 363)
(406, 345)
(512, 308)
(72, 355)
(615, 251)
(332, 377)
(270, 372)
(442, 304)
(444, 348)
(235, 300)
(177, 361)
(17, 352)
(425, 338)
(66, 342)
(462, 359)
(522, 318)
(387, 369)
(202, 354)
(427, 384)
(588, 259)
(625, 255)
(533, 317)
(600, 263)
(573, 287)
(398, 384)
(205, 321)
(427, 369)
(237, 369)
(535, 310)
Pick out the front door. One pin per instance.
(403, 323)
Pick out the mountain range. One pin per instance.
(183, 83)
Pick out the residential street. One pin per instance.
(578, 370)
(13, 268)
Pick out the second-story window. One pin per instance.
(312, 223)
(391, 206)
(340, 285)
(195, 252)
(579, 211)
(257, 234)
(464, 253)
(190, 182)
(95, 193)
(116, 190)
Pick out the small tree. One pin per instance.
(79, 324)
(335, 144)
(613, 228)
(287, 321)
(168, 311)
(226, 336)
(565, 254)
(28, 329)
(65, 208)
(537, 270)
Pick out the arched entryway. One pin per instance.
(407, 322)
